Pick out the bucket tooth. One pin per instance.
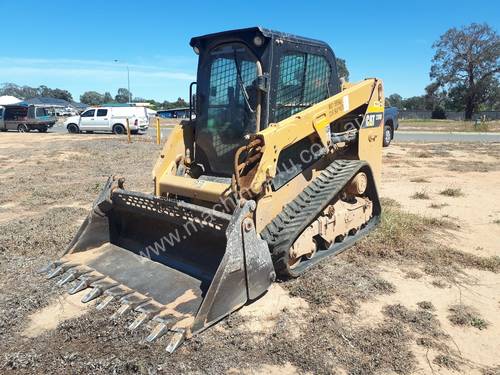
(98, 289)
(177, 339)
(93, 294)
(111, 294)
(147, 312)
(105, 302)
(140, 320)
(160, 329)
(70, 276)
(84, 283)
(50, 266)
(129, 302)
(60, 270)
(121, 311)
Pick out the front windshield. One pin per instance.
(229, 112)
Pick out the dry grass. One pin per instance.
(426, 305)
(356, 282)
(420, 321)
(426, 330)
(495, 370)
(420, 195)
(413, 275)
(94, 344)
(452, 192)
(465, 166)
(406, 237)
(463, 315)
(328, 340)
(420, 180)
(421, 155)
(448, 126)
(439, 284)
(438, 205)
(446, 361)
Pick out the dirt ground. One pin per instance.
(421, 295)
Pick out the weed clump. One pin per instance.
(420, 195)
(444, 360)
(420, 321)
(426, 305)
(419, 179)
(452, 192)
(438, 205)
(463, 315)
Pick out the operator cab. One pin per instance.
(249, 78)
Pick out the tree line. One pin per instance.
(27, 92)
(90, 98)
(464, 74)
(122, 96)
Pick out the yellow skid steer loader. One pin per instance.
(275, 170)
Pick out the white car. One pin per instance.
(109, 119)
(68, 111)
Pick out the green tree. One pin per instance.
(179, 103)
(11, 89)
(22, 92)
(107, 97)
(27, 92)
(61, 94)
(123, 95)
(92, 98)
(342, 70)
(394, 100)
(414, 103)
(468, 58)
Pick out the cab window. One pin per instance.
(40, 112)
(102, 112)
(303, 81)
(89, 113)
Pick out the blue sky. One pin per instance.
(72, 45)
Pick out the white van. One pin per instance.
(109, 119)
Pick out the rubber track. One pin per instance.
(284, 229)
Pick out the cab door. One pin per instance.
(87, 120)
(101, 122)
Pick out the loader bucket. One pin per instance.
(180, 267)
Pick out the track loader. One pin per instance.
(275, 170)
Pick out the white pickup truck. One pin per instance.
(109, 119)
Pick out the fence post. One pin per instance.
(158, 131)
(128, 131)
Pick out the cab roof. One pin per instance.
(250, 31)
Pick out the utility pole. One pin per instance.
(128, 81)
(128, 85)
